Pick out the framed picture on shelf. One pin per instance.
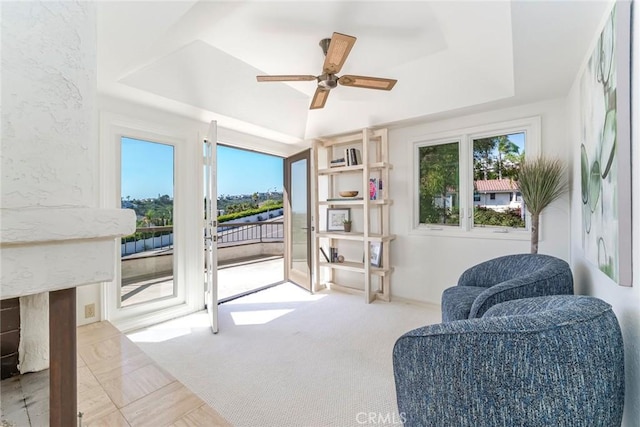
(376, 253)
(336, 218)
(373, 188)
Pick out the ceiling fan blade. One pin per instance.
(286, 78)
(367, 82)
(337, 53)
(319, 98)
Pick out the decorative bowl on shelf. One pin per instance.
(348, 193)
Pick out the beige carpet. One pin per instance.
(284, 357)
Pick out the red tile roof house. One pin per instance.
(497, 194)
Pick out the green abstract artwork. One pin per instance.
(605, 155)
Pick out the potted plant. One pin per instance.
(541, 181)
(347, 225)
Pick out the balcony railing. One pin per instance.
(160, 239)
(147, 239)
(250, 232)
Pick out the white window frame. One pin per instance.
(530, 126)
(188, 250)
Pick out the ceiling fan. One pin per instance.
(336, 49)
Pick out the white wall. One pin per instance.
(189, 126)
(589, 279)
(425, 265)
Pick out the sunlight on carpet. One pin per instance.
(257, 317)
(284, 357)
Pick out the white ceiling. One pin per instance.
(200, 58)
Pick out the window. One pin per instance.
(496, 162)
(468, 181)
(438, 188)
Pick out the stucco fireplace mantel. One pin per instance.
(55, 250)
(48, 249)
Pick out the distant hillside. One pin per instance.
(159, 211)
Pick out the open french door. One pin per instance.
(297, 219)
(211, 226)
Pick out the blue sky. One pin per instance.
(147, 170)
(247, 172)
(518, 139)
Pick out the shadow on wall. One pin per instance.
(582, 278)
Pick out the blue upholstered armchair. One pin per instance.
(503, 279)
(545, 361)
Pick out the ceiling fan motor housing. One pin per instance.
(327, 81)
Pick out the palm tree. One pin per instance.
(149, 217)
(505, 147)
(541, 181)
(482, 157)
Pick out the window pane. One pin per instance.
(439, 184)
(147, 188)
(496, 162)
(299, 244)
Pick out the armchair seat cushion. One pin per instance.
(457, 301)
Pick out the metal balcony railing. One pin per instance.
(250, 232)
(160, 239)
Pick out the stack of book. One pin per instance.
(338, 162)
(333, 254)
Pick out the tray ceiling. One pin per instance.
(200, 58)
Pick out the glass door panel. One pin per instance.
(298, 220)
(147, 256)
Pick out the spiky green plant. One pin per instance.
(541, 181)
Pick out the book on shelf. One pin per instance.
(339, 199)
(333, 253)
(338, 162)
(324, 254)
(353, 156)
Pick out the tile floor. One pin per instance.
(118, 385)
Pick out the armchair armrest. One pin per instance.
(539, 283)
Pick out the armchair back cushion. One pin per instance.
(503, 279)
